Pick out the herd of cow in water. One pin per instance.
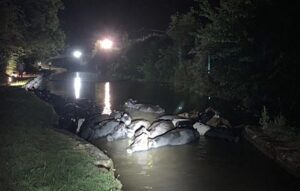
(84, 118)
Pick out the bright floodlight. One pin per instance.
(77, 54)
(106, 44)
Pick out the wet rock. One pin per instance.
(34, 84)
(212, 118)
(147, 108)
(160, 127)
(137, 124)
(178, 136)
(114, 128)
(229, 134)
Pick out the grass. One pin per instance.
(19, 83)
(278, 127)
(35, 157)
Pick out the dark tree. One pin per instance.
(30, 30)
(249, 47)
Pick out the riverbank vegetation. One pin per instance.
(35, 157)
(278, 139)
(232, 49)
(239, 50)
(279, 128)
(29, 32)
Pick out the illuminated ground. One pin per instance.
(34, 157)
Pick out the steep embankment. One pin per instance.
(35, 157)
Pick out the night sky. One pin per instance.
(84, 21)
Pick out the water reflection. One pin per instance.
(205, 165)
(77, 86)
(107, 104)
(144, 159)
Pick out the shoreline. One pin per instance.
(34, 155)
(284, 153)
(268, 145)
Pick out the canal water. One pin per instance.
(208, 164)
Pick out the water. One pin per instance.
(205, 165)
(151, 93)
(208, 164)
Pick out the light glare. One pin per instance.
(107, 104)
(77, 85)
(106, 44)
(77, 54)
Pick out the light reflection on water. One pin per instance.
(77, 86)
(119, 92)
(107, 104)
(203, 165)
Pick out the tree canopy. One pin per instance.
(233, 49)
(30, 29)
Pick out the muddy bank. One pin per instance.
(284, 152)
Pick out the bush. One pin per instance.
(264, 121)
(277, 123)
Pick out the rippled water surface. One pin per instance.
(207, 165)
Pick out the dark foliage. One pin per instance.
(29, 30)
(250, 48)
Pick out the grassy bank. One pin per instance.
(34, 157)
